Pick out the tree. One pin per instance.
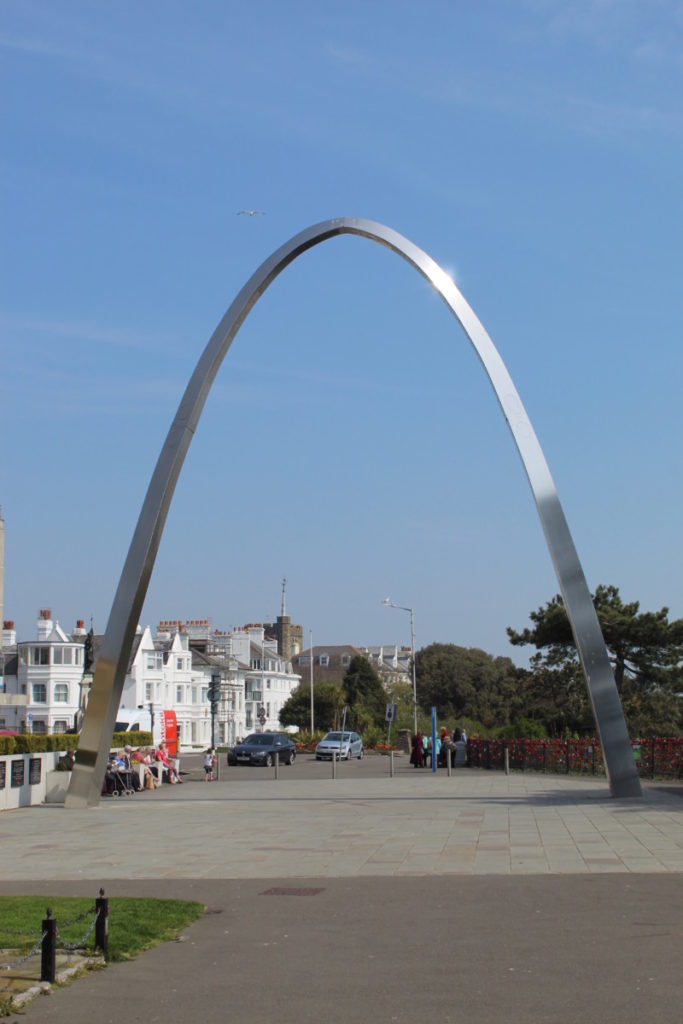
(465, 682)
(645, 650)
(361, 691)
(328, 700)
(557, 697)
(365, 694)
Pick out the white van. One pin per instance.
(164, 728)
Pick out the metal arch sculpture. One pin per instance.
(112, 664)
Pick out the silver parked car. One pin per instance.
(344, 745)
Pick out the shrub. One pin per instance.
(307, 740)
(373, 735)
(27, 743)
(133, 739)
(32, 743)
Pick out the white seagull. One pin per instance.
(251, 213)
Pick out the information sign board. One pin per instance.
(17, 773)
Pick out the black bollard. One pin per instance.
(101, 925)
(48, 950)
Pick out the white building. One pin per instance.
(46, 689)
(42, 681)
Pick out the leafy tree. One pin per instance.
(361, 691)
(645, 650)
(467, 682)
(328, 700)
(401, 694)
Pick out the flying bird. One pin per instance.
(251, 213)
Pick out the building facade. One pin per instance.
(46, 681)
(42, 678)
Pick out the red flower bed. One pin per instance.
(658, 756)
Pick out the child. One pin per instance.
(209, 762)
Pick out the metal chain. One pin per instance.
(81, 917)
(66, 924)
(27, 956)
(79, 944)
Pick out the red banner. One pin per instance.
(169, 732)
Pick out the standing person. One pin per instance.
(209, 764)
(444, 746)
(417, 750)
(133, 777)
(437, 752)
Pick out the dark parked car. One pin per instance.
(261, 747)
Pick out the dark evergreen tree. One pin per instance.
(646, 653)
(365, 695)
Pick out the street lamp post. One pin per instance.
(388, 603)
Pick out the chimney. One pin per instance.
(44, 623)
(79, 631)
(9, 633)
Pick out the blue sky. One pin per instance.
(351, 441)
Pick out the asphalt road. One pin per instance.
(592, 950)
(371, 766)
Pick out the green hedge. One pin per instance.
(30, 743)
(7, 744)
(132, 739)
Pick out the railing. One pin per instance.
(655, 757)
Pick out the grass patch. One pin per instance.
(134, 924)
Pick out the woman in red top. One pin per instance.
(169, 764)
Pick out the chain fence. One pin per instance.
(71, 946)
(49, 942)
(27, 956)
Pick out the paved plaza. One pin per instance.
(368, 897)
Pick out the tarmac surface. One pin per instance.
(368, 897)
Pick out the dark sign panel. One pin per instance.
(3, 774)
(34, 766)
(17, 773)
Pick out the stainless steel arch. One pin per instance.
(117, 642)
